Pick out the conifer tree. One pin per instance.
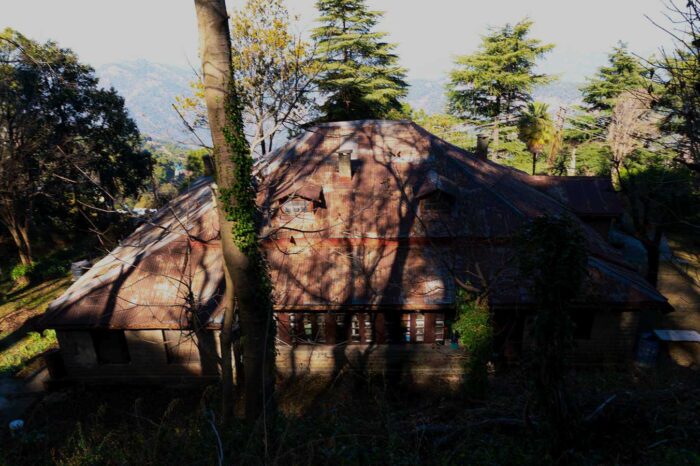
(360, 76)
(497, 81)
(623, 73)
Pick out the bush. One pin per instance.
(473, 326)
(55, 265)
(21, 271)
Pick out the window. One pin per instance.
(110, 346)
(583, 324)
(437, 202)
(355, 329)
(420, 328)
(341, 332)
(369, 328)
(440, 329)
(406, 327)
(321, 328)
(293, 327)
(308, 327)
(296, 206)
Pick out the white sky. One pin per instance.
(429, 33)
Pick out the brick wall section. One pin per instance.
(612, 341)
(148, 357)
(413, 360)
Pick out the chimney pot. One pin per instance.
(482, 146)
(345, 163)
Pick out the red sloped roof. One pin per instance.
(585, 195)
(369, 245)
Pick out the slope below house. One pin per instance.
(366, 227)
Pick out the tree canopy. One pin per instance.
(274, 71)
(360, 76)
(623, 73)
(65, 144)
(498, 79)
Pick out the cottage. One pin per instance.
(366, 226)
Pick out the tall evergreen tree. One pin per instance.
(623, 73)
(360, 76)
(497, 80)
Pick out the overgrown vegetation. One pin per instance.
(553, 255)
(474, 328)
(14, 358)
(650, 423)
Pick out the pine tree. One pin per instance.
(624, 73)
(497, 80)
(360, 76)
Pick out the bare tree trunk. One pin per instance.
(19, 231)
(653, 248)
(219, 94)
(214, 38)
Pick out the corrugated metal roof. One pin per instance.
(369, 245)
(585, 195)
(168, 272)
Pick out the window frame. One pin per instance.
(100, 337)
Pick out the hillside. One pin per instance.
(150, 90)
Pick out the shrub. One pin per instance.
(55, 265)
(21, 271)
(473, 326)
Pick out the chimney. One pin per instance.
(208, 165)
(345, 163)
(571, 169)
(482, 146)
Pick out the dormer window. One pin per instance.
(299, 201)
(296, 205)
(438, 202)
(437, 194)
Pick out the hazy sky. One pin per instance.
(429, 33)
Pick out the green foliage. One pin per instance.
(194, 163)
(241, 210)
(552, 254)
(473, 326)
(498, 79)
(359, 72)
(623, 73)
(54, 265)
(447, 127)
(677, 76)
(21, 271)
(658, 195)
(535, 129)
(59, 132)
(18, 355)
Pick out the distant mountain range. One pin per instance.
(150, 90)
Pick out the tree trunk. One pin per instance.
(534, 163)
(19, 231)
(214, 38)
(653, 249)
(215, 51)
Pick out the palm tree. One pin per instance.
(535, 129)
